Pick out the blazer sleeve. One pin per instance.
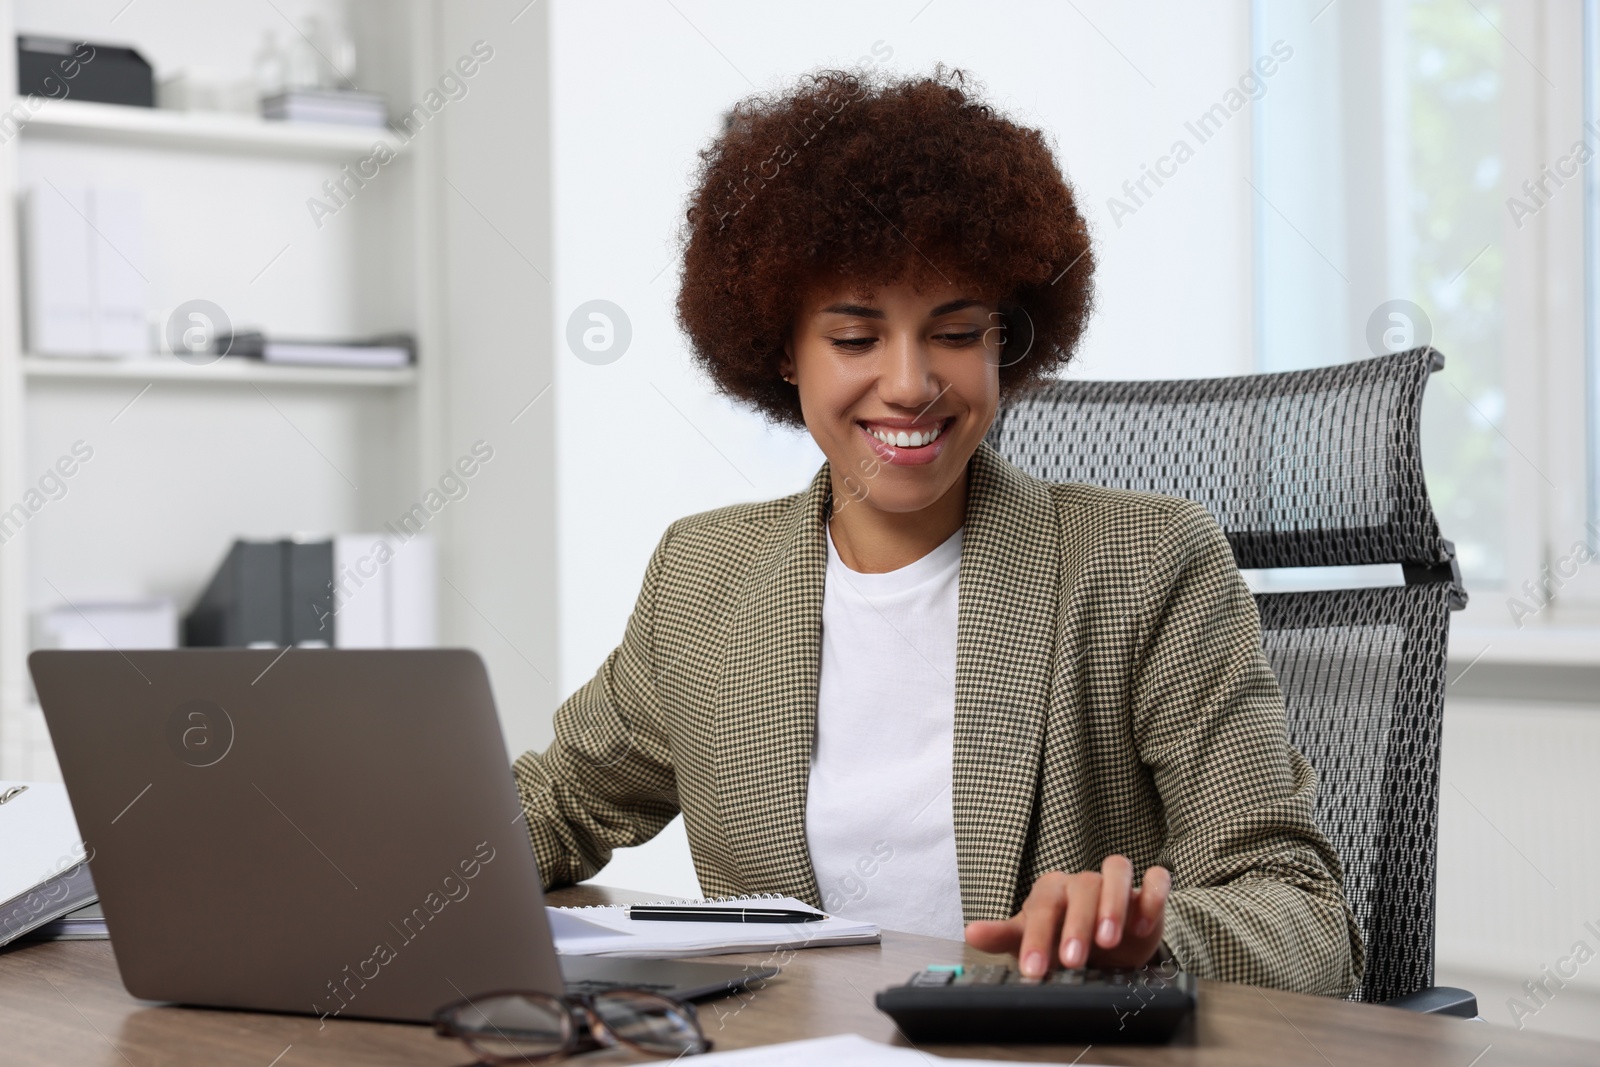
(1257, 889)
(606, 781)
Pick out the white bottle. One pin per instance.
(339, 71)
(305, 66)
(269, 66)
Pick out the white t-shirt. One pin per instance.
(879, 820)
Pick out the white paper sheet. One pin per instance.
(38, 836)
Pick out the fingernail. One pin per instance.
(1033, 964)
(1108, 930)
(1076, 952)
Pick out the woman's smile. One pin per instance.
(905, 442)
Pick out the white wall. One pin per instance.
(490, 177)
(637, 89)
(1518, 871)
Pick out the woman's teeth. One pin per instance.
(914, 439)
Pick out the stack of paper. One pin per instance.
(607, 931)
(335, 354)
(343, 106)
(396, 349)
(88, 923)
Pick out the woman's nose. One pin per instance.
(906, 376)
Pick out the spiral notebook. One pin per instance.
(43, 873)
(606, 930)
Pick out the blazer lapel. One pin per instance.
(767, 703)
(1009, 585)
(767, 694)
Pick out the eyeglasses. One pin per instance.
(506, 1028)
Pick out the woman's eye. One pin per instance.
(852, 344)
(960, 339)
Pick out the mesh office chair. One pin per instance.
(1310, 469)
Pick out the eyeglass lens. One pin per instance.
(653, 1023)
(514, 1026)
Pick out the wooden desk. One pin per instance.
(62, 1003)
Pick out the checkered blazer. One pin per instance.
(1111, 697)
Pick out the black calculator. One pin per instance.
(994, 1004)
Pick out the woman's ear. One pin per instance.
(786, 364)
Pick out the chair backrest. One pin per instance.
(1304, 469)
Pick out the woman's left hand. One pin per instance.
(1088, 919)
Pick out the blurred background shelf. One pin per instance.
(228, 370)
(81, 120)
(275, 225)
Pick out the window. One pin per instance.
(1414, 183)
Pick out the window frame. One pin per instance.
(1549, 413)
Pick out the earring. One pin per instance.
(788, 379)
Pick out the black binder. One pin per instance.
(64, 69)
(309, 606)
(266, 593)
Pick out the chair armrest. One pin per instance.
(1437, 1000)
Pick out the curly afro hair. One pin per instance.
(861, 177)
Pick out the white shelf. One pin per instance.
(225, 371)
(211, 131)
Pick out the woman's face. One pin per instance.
(897, 386)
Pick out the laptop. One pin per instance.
(321, 831)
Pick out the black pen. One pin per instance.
(669, 913)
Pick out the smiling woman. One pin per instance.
(1047, 703)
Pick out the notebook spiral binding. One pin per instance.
(661, 903)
